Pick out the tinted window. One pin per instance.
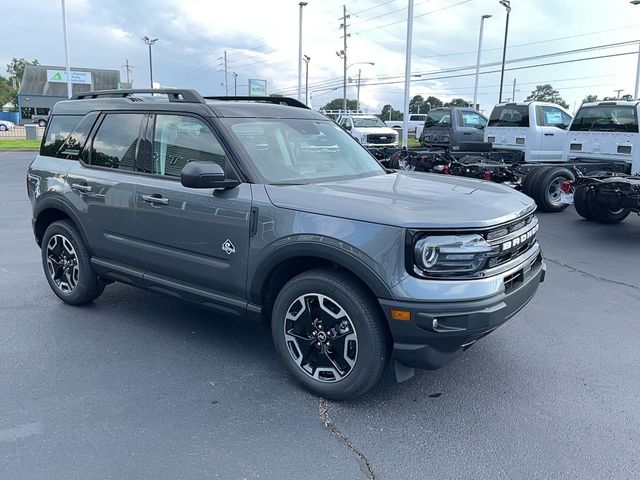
(417, 118)
(301, 151)
(606, 118)
(114, 145)
(467, 118)
(179, 140)
(59, 129)
(551, 117)
(438, 117)
(510, 116)
(74, 143)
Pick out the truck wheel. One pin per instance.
(606, 215)
(67, 265)
(582, 203)
(329, 332)
(42, 123)
(3, 128)
(547, 188)
(530, 178)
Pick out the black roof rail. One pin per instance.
(292, 102)
(173, 94)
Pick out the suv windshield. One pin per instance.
(510, 116)
(606, 118)
(293, 151)
(367, 122)
(438, 117)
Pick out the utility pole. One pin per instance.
(127, 68)
(506, 4)
(618, 92)
(66, 49)
(306, 59)
(513, 95)
(475, 88)
(226, 87)
(302, 4)
(358, 90)
(235, 84)
(344, 57)
(407, 77)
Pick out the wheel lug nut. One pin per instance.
(314, 333)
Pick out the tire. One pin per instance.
(547, 188)
(42, 123)
(530, 178)
(307, 350)
(582, 203)
(606, 215)
(3, 128)
(77, 284)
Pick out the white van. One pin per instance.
(535, 128)
(605, 131)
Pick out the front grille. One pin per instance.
(380, 138)
(511, 240)
(513, 280)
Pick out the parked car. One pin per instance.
(416, 124)
(41, 120)
(368, 130)
(6, 125)
(448, 127)
(606, 132)
(535, 128)
(232, 203)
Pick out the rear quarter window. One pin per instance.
(60, 126)
(510, 116)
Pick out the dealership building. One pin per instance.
(42, 86)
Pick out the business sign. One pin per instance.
(257, 88)
(60, 76)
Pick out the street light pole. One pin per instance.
(506, 4)
(635, 94)
(66, 50)
(235, 83)
(344, 57)
(407, 77)
(306, 59)
(150, 42)
(475, 88)
(302, 4)
(358, 90)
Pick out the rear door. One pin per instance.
(188, 237)
(103, 185)
(552, 124)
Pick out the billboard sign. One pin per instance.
(257, 88)
(60, 76)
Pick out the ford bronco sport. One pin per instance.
(260, 207)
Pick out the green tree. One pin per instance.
(546, 93)
(458, 102)
(16, 67)
(416, 105)
(590, 98)
(390, 113)
(433, 101)
(7, 92)
(336, 104)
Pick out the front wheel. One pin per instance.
(329, 332)
(3, 128)
(67, 265)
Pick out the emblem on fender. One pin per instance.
(228, 248)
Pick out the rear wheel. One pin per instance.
(329, 332)
(547, 188)
(582, 203)
(529, 179)
(67, 265)
(607, 215)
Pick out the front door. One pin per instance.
(196, 237)
(550, 119)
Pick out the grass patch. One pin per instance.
(413, 142)
(19, 144)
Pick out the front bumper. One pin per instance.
(438, 332)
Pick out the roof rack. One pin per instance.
(292, 102)
(174, 95)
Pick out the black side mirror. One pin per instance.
(205, 175)
(561, 125)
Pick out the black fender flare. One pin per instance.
(55, 203)
(325, 248)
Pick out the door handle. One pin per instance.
(549, 134)
(155, 199)
(80, 187)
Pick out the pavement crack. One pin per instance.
(327, 422)
(590, 275)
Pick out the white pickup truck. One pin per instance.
(416, 124)
(369, 130)
(537, 129)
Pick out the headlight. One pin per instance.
(451, 254)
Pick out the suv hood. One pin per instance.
(409, 200)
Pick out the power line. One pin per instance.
(365, 20)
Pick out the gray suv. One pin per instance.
(262, 208)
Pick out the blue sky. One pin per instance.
(261, 40)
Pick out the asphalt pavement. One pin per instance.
(140, 385)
